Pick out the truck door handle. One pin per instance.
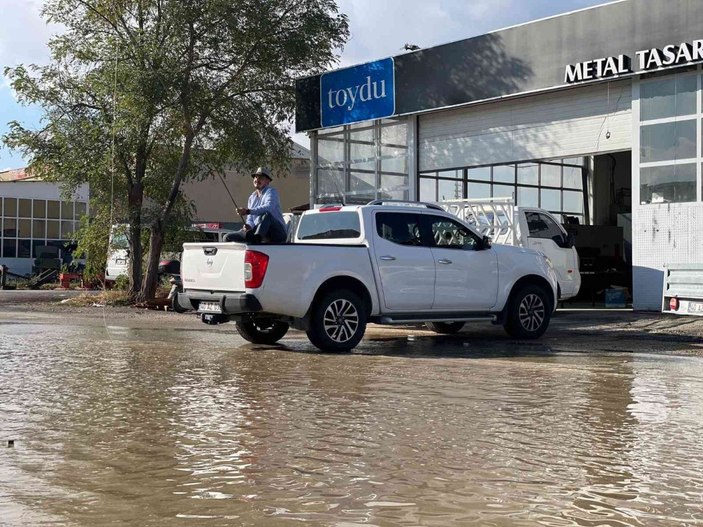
(444, 261)
(210, 251)
(388, 258)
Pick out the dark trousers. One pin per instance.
(267, 231)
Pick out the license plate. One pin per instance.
(210, 307)
(695, 307)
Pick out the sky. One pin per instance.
(379, 29)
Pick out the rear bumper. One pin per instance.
(230, 303)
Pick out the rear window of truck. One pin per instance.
(329, 225)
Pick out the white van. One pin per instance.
(117, 253)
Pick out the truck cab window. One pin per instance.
(450, 234)
(399, 227)
(542, 226)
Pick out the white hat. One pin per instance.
(263, 171)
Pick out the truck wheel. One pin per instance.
(338, 321)
(262, 331)
(445, 328)
(528, 313)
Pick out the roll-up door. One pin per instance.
(579, 121)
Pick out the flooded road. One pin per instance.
(160, 428)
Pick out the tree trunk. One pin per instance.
(136, 197)
(151, 278)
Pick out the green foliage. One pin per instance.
(143, 95)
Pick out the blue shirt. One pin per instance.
(267, 202)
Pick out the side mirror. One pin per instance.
(570, 240)
(486, 240)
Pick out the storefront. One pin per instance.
(594, 115)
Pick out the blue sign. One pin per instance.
(358, 93)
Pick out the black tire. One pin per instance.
(337, 321)
(262, 331)
(445, 328)
(528, 313)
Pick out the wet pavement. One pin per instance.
(130, 421)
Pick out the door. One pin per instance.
(547, 236)
(466, 274)
(406, 268)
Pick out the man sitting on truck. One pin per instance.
(264, 223)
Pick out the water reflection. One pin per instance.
(146, 427)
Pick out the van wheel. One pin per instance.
(445, 328)
(528, 313)
(262, 331)
(338, 321)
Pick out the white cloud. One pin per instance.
(23, 33)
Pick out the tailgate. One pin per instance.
(213, 266)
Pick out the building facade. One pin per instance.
(595, 115)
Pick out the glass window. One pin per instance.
(550, 200)
(573, 177)
(542, 226)
(395, 135)
(9, 228)
(668, 184)
(504, 174)
(394, 187)
(24, 248)
(327, 225)
(528, 197)
(66, 210)
(449, 234)
(11, 207)
(330, 151)
(428, 190)
(668, 97)
(479, 190)
(25, 208)
(80, 209)
(24, 228)
(453, 174)
(394, 159)
(528, 174)
(449, 189)
(503, 191)
(9, 248)
(52, 209)
(53, 229)
(401, 228)
(38, 228)
(39, 208)
(66, 230)
(362, 185)
(668, 141)
(480, 173)
(573, 201)
(551, 175)
(330, 184)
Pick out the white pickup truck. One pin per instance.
(385, 262)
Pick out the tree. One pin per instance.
(142, 95)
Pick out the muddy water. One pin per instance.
(152, 428)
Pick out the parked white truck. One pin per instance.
(387, 263)
(531, 227)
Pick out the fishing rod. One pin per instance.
(230, 196)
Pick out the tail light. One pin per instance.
(255, 264)
(674, 304)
